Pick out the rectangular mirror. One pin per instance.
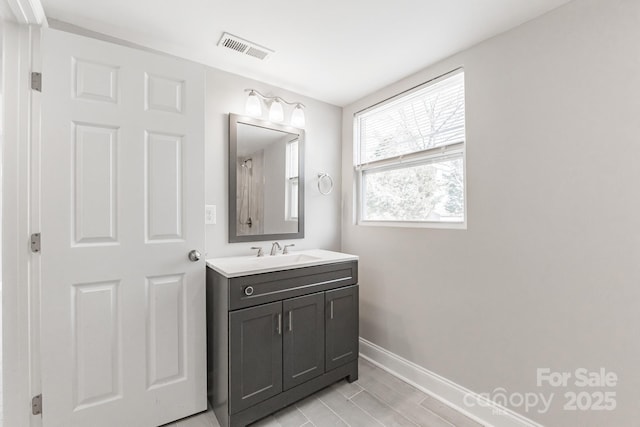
(266, 180)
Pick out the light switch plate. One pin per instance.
(210, 214)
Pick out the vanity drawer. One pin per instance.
(263, 288)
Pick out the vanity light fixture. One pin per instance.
(276, 112)
(253, 107)
(297, 117)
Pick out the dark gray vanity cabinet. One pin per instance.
(342, 326)
(255, 340)
(275, 338)
(303, 339)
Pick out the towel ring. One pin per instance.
(326, 177)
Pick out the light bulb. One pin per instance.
(297, 117)
(276, 112)
(253, 107)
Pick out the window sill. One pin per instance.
(407, 224)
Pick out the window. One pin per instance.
(410, 157)
(291, 213)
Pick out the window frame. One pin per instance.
(291, 181)
(427, 156)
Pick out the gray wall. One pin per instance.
(225, 94)
(548, 272)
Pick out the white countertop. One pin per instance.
(251, 264)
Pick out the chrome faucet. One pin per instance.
(260, 253)
(275, 248)
(286, 249)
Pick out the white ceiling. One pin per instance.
(333, 50)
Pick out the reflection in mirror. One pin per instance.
(267, 173)
(265, 191)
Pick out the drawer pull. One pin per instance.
(248, 291)
(290, 320)
(297, 288)
(331, 309)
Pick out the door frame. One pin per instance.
(22, 21)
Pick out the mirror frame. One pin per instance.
(234, 120)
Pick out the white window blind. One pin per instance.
(410, 156)
(427, 118)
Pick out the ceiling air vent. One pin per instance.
(246, 47)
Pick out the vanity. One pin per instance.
(279, 328)
(282, 326)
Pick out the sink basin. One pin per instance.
(289, 259)
(250, 263)
(245, 265)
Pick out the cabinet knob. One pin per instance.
(248, 291)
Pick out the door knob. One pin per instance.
(194, 255)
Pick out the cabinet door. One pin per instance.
(255, 357)
(303, 339)
(341, 313)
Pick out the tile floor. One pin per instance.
(376, 399)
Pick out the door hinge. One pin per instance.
(35, 243)
(36, 405)
(36, 81)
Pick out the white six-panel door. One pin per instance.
(123, 307)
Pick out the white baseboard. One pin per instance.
(487, 413)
